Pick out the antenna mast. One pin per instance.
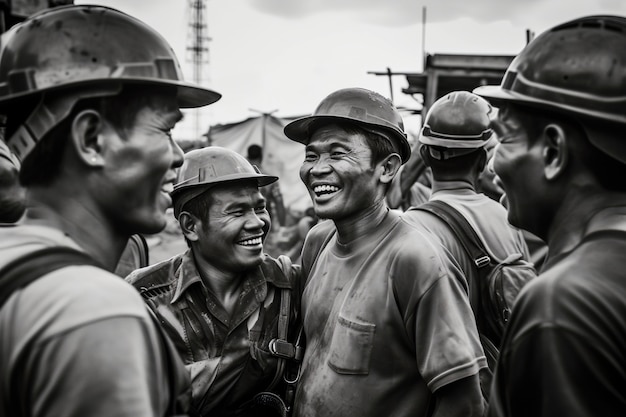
(198, 50)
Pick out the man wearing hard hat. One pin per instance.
(453, 143)
(388, 326)
(90, 96)
(229, 308)
(562, 163)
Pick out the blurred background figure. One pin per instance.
(272, 193)
(412, 185)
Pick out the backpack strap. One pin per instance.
(465, 233)
(28, 268)
(142, 249)
(22, 271)
(469, 240)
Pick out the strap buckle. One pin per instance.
(282, 349)
(482, 261)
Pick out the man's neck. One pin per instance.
(224, 285)
(353, 228)
(78, 220)
(452, 184)
(582, 212)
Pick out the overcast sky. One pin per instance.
(286, 55)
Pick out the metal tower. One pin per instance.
(197, 50)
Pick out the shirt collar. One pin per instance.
(187, 274)
(257, 278)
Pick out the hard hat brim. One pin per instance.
(188, 95)
(598, 137)
(261, 179)
(299, 130)
(498, 96)
(191, 96)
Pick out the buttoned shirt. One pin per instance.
(227, 355)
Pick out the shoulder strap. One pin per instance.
(22, 271)
(469, 240)
(142, 249)
(280, 346)
(28, 268)
(464, 232)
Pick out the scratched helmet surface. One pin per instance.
(577, 68)
(72, 46)
(206, 167)
(459, 119)
(366, 108)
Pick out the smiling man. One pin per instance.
(90, 96)
(562, 163)
(386, 316)
(220, 301)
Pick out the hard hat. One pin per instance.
(75, 45)
(206, 167)
(459, 120)
(368, 109)
(90, 50)
(577, 68)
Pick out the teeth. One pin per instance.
(325, 189)
(167, 188)
(250, 242)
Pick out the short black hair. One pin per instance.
(460, 164)
(255, 152)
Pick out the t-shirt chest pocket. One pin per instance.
(351, 346)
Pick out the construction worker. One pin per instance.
(221, 301)
(388, 326)
(90, 95)
(562, 162)
(453, 142)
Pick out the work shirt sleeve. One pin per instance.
(107, 368)
(437, 313)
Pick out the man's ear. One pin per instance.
(555, 151)
(189, 225)
(87, 128)
(390, 166)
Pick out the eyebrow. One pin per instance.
(330, 144)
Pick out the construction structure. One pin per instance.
(198, 55)
(444, 73)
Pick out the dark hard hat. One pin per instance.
(74, 46)
(206, 167)
(458, 120)
(576, 68)
(366, 108)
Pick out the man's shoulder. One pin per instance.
(155, 276)
(280, 271)
(75, 296)
(319, 233)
